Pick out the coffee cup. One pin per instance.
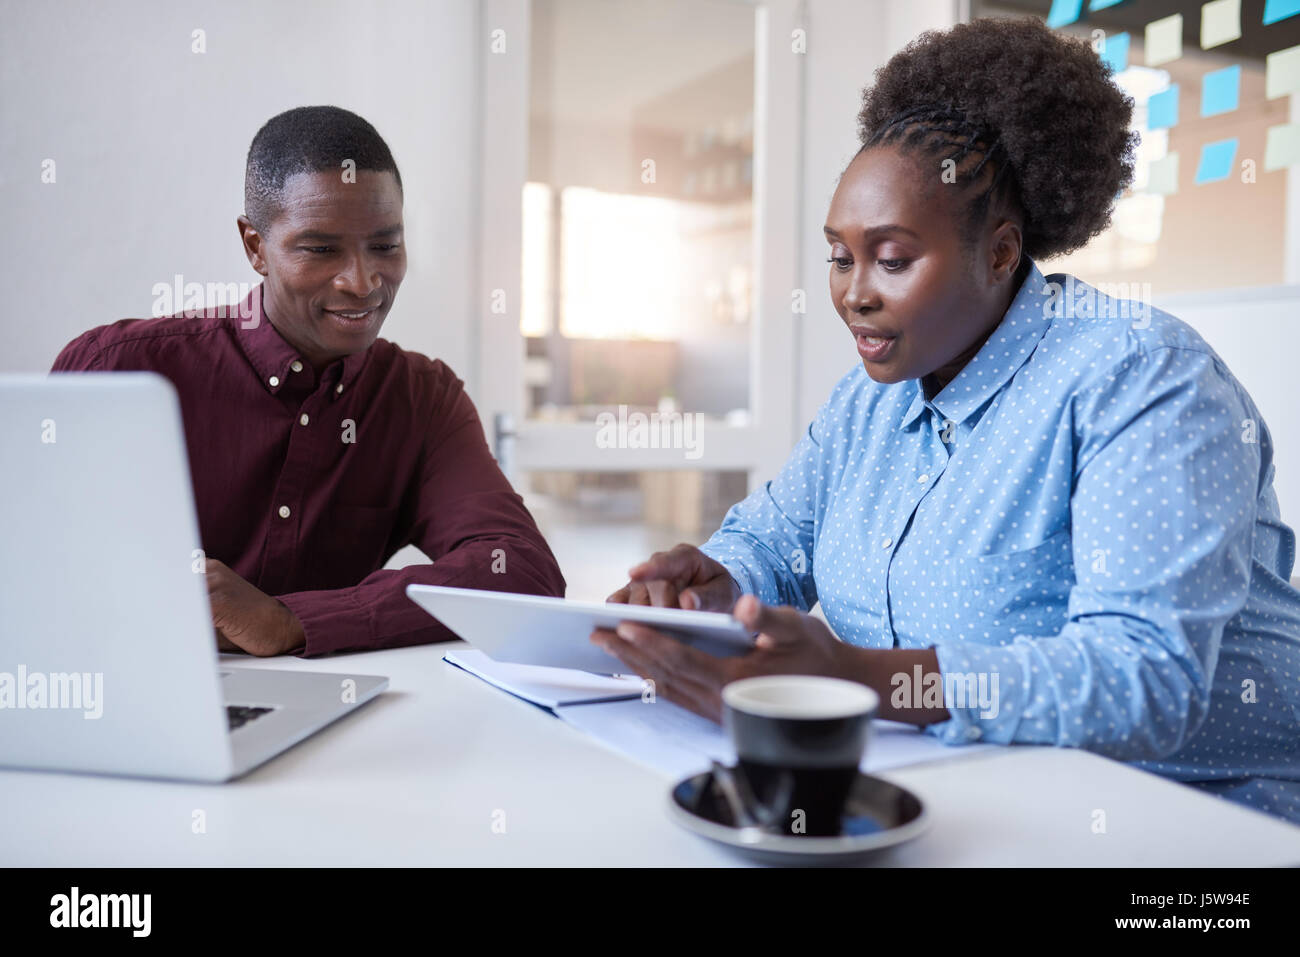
(799, 740)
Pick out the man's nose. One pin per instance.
(358, 278)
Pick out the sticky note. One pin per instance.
(1114, 52)
(1220, 23)
(1220, 91)
(1063, 12)
(1162, 109)
(1275, 10)
(1164, 39)
(1283, 146)
(1103, 4)
(1282, 72)
(1216, 161)
(1162, 175)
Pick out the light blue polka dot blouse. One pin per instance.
(1085, 512)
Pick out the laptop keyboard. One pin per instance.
(239, 715)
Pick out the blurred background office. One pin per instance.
(614, 207)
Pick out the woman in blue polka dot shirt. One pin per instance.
(1032, 513)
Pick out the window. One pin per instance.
(1183, 228)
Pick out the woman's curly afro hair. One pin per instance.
(1035, 108)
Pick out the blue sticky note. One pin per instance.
(1063, 12)
(1114, 52)
(1103, 4)
(1162, 109)
(1220, 91)
(1216, 161)
(1275, 10)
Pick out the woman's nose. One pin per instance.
(859, 296)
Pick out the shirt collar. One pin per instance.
(1003, 353)
(274, 359)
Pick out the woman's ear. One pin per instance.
(1005, 251)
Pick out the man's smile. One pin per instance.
(354, 319)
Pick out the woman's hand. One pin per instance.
(681, 578)
(789, 642)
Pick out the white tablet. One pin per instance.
(533, 630)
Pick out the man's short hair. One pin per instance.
(308, 139)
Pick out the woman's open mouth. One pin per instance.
(874, 348)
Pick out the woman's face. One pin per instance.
(917, 297)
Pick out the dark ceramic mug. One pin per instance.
(799, 740)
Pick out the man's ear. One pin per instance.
(252, 240)
(1005, 251)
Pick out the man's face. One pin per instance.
(333, 258)
(901, 277)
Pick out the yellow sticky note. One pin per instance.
(1162, 175)
(1283, 147)
(1282, 72)
(1220, 23)
(1164, 40)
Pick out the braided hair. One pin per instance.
(1025, 119)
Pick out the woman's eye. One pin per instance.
(841, 262)
(892, 265)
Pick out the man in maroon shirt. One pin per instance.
(317, 449)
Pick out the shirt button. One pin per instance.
(284, 511)
(274, 380)
(886, 543)
(923, 479)
(303, 418)
(295, 365)
(339, 387)
(973, 733)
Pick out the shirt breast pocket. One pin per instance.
(1016, 592)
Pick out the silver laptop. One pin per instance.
(108, 660)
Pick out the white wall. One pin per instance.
(150, 140)
(1255, 332)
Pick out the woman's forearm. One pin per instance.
(904, 678)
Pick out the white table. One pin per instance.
(420, 776)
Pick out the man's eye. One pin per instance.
(317, 249)
(386, 247)
(893, 265)
(841, 262)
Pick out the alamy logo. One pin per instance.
(225, 300)
(656, 430)
(58, 690)
(1122, 300)
(102, 910)
(949, 689)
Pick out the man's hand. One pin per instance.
(681, 578)
(247, 619)
(789, 642)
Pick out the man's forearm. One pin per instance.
(377, 614)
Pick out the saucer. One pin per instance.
(878, 815)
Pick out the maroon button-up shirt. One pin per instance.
(307, 485)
